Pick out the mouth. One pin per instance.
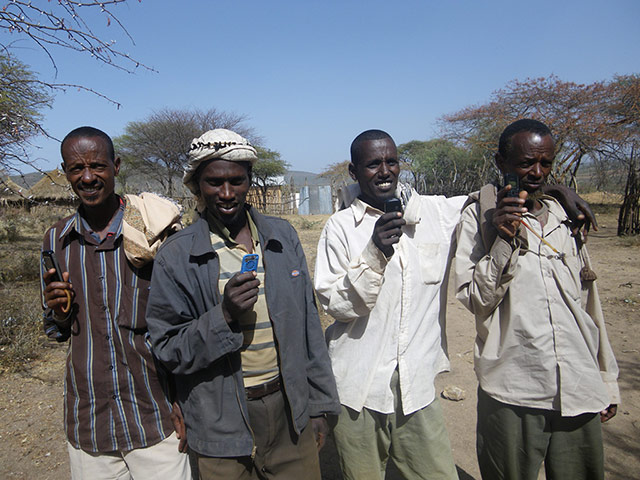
(531, 186)
(227, 208)
(89, 190)
(384, 185)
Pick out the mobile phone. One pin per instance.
(50, 261)
(513, 180)
(249, 263)
(392, 205)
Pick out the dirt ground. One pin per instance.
(31, 401)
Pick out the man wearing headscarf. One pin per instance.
(252, 372)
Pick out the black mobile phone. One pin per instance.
(50, 261)
(392, 205)
(513, 180)
(249, 263)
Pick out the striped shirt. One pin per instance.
(258, 353)
(113, 399)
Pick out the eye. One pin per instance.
(373, 165)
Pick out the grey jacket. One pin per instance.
(192, 339)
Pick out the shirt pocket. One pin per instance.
(431, 267)
(134, 294)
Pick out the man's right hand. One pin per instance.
(55, 293)
(387, 232)
(240, 294)
(508, 214)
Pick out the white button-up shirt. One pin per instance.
(541, 340)
(390, 313)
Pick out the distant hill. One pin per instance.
(27, 180)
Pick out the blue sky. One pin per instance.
(311, 75)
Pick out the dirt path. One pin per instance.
(31, 402)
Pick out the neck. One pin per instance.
(372, 202)
(533, 203)
(99, 217)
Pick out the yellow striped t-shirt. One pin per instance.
(258, 353)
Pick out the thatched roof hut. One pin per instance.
(52, 187)
(11, 191)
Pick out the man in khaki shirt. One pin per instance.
(546, 371)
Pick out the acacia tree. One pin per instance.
(439, 167)
(158, 146)
(68, 25)
(22, 99)
(572, 111)
(337, 174)
(597, 121)
(269, 165)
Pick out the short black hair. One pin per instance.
(366, 136)
(522, 125)
(89, 132)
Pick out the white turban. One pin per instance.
(219, 144)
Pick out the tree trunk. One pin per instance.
(629, 216)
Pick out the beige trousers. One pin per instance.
(161, 461)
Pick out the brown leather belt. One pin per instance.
(263, 389)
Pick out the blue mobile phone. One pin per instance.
(250, 263)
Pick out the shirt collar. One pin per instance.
(411, 213)
(218, 228)
(79, 224)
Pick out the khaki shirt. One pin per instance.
(541, 340)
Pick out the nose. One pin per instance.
(536, 170)
(384, 169)
(87, 175)
(226, 191)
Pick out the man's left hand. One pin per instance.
(608, 413)
(178, 425)
(320, 430)
(579, 212)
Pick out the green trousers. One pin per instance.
(417, 443)
(512, 443)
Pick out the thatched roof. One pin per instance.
(9, 190)
(53, 186)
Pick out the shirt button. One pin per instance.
(110, 367)
(104, 307)
(114, 396)
(107, 337)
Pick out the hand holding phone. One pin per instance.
(51, 263)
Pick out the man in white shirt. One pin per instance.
(546, 370)
(382, 277)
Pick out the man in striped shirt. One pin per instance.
(117, 416)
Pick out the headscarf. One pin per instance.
(216, 144)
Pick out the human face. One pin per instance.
(376, 170)
(224, 186)
(530, 157)
(90, 170)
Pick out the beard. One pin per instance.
(532, 198)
